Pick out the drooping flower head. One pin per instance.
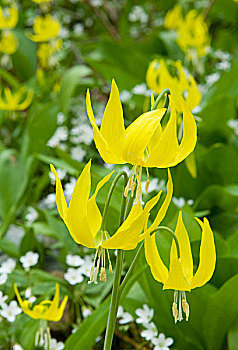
(158, 77)
(180, 275)
(45, 28)
(83, 220)
(8, 17)
(46, 310)
(17, 101)
(144, 143)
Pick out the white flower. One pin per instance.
(8, 266)
(3, 278)
(125, 95)
(125, 317)
(60, 118)
(28, 260)
(86, 312)
(138, 14)
(69, 188)
(141, 90)
(190, 202)
(212, 78)
(224, 56)
(31, 215)
(81, 134)
(61, 134)
(48, 202)
(179, 202)
(73, 276)
(78, 29)
(96, 3)
(10, 311)
(145, 315)
(224, 65)
(74, 260)
(61, 174)
(3, 298)
(77, 153)
(150, 332)
(196, 110)
(86, 266)
(28, 295)
(162, 343)
(54, 345)
(64, 33)
(17, 347)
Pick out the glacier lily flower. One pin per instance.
(46, 310)
(158, 78)
(45, 28)
(144, 143)
(14, 101)
(180, 274)
(83, 220)
(41, 1)
(8, 42)
(8, 17)
(173, 18)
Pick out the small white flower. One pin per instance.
(54, 345)
(224, 65)
(8, 266)
(125, 95)
(138, 14)
(150, 332)
(96, 3)
(145, 315)
(86, 266)
(224, 56)
(74, 260)
(3, 298)
(61, 134)
(190, 202)
(48, 202)
(212, 78)
(31, 215)
(28, 295)
(125, 317)
(60, 118)
(3, 278)
(73, 276)
(86, 312)
(81, 134)
(78, 29)
(162, 343)
(141, 90)
(77, 153)
(10, 311)
(69, 188)
(64, 33)
(17, 347)
(28, 260)
(61, 174)
(179, 202)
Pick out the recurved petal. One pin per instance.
(94, 216)
(77, 213)
(194, 95)
(157, 267)
(207, 257)
(185, 249)
(100, 142)
(127, 236)
(176, 279)
(112, 127)
(60, 198)
(27, 100)
(25, 305)
(52, 312)
(138, 135)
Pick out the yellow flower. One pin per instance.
(158, 78)
(8, 42)
(144, 143)
(41, 1)
(45, 28)
(180, 274)
(46, 52)
(173, 18)
(193, 34)
(46, 310)
(83, 220)
(8, 17)
(14, 101)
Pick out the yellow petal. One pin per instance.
(185, 249)
(112, 127)
(152, 100)
(194, 96)
(138, 135)
(60, 198)
(52, 313)
(24, 304)
(94, 216)
(157, 267)
(176, 279)
(207, 258)
(27, 101)
(100, 142)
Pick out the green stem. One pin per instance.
(164, 228)
(109, 196)
(161, 95)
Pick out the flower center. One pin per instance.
(180, 304)
(100, 260)
(134, 183)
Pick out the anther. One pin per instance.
(103, 275)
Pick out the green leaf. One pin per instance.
(9, 248)
(233, 337)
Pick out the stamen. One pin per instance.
(147, 181)
(110, 264)
(174, 307)
(138, 199)
(180, 306)
(180, 318)
(130, 183)
(100, 259)
(185, 305)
